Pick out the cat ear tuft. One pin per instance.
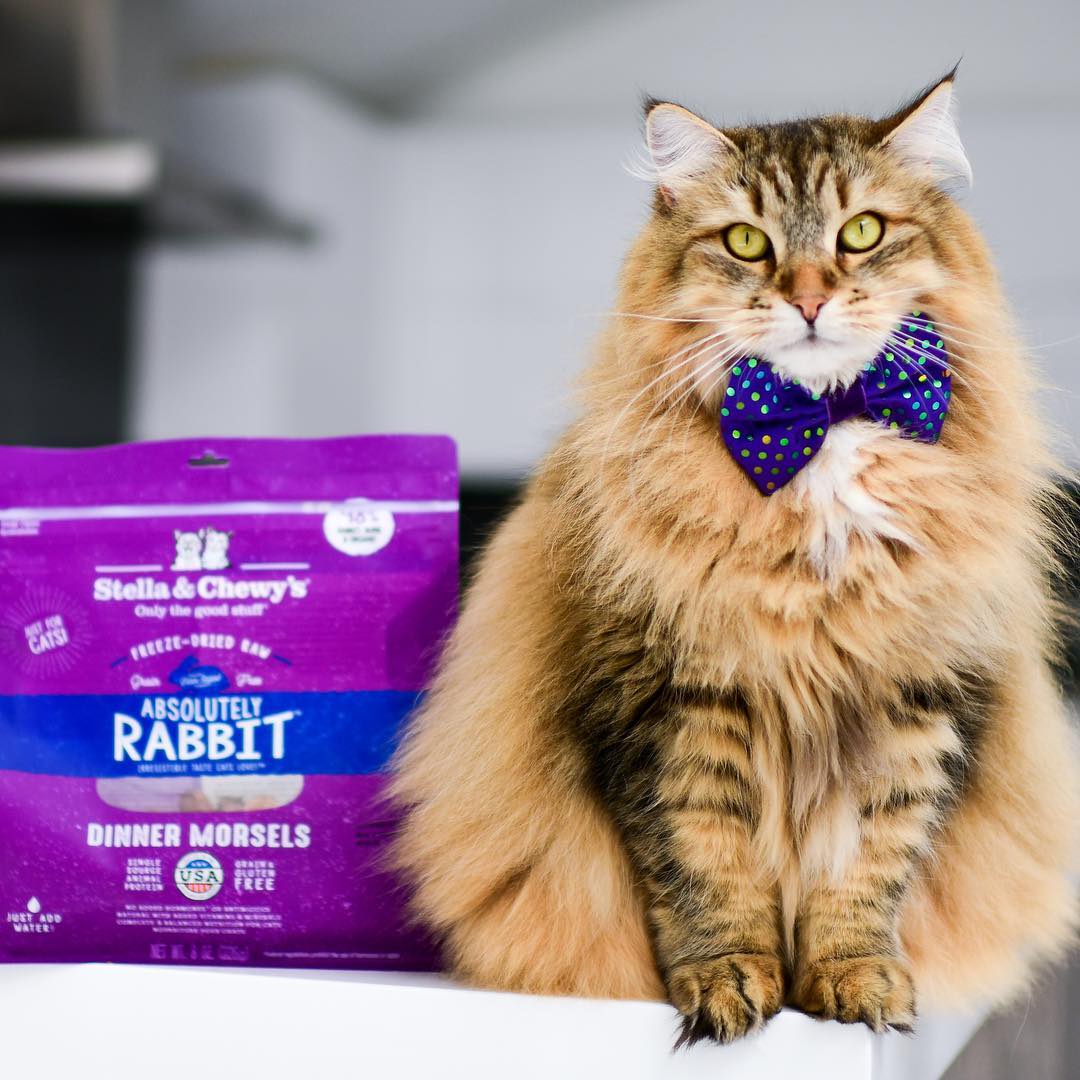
(681, 147)
(925, 137)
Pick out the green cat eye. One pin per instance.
(862, 232)
(746, 242)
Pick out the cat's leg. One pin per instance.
(998, 900)
(685, 796)
(514, 864)
(850, 964)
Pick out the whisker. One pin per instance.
(645, 389)
(650, 318)
(913, 368)
(689, 379)
(954, 361)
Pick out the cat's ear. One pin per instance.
(925, 137)
(681, 147)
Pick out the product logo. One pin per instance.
(203, 554)
(201, 727)
(207, 549)
(199, 678)
(199, 876)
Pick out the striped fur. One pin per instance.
(671, 751)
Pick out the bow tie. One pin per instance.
(774, 428)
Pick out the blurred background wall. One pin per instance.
(460, 166)
(306, 218)
(408, 214)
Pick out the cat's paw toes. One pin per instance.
(873, 990)
(726, 997)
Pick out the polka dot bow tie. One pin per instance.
(774, 428)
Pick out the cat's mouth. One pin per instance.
(818, 362)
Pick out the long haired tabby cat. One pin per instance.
(749, 703)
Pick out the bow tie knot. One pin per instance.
(773, 428)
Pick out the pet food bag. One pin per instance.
(207, 652)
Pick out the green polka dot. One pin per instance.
(894, 424)
(821, 431)
(922, 416)
(731, 391)
(755, 396)
(927, 394)
(753, 363)
(736, 434)
(902, 375)
(746, 453)
(886, 412)
(936, 406)
(736, 371)
(762, 455)
(783, 442)
(774, 472)
(740, 405)
(806, 433)
(790, 469)
(807, 451)
(764, 408)
(725, 412)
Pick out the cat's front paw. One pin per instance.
(873, 990)
(726, 997)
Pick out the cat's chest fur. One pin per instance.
(835, 500)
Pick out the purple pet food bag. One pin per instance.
(207, 651)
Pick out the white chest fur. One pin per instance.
(838, 504)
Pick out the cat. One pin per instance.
(735, 747)
(215, 555)
(188, 550)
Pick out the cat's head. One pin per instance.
(804, 243)
(216, 540)
(187, 543)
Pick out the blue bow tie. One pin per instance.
(774, 428)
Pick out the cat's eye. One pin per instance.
(862, 232)
(746, 242)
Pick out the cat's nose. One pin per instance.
(808, 287)
(810, 304)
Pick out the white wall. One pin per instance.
(464, 250)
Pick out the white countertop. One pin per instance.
(117, 1021)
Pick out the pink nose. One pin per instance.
(810, 304)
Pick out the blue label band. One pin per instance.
(107, 735)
